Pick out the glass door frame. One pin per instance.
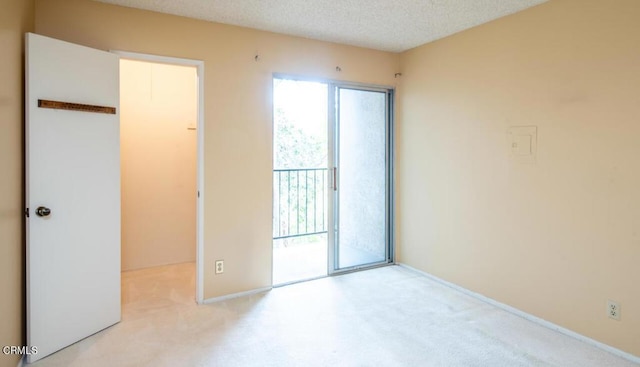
(333, 265)
(333, 87)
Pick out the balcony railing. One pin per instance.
(300, 204)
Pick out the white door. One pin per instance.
(72, 170)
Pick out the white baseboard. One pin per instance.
(236, 295)
(529, 317)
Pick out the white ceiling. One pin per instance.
(388, 25)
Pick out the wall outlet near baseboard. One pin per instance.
(613, 310)
(219, 266)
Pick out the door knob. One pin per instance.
(43, 211)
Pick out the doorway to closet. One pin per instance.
(73, 185)
(158, 146)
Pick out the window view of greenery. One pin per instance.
(299, 179)
(300, 124)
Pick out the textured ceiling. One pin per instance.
(388, 25)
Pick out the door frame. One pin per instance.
(332, 84)
(334, 202)
(199, 65)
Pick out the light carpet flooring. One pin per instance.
(388, 316)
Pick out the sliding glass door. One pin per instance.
(331, 178)
(361, 166)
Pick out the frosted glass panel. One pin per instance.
(361, 178)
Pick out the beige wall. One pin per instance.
(556, 238)
(158, 114)
(238, 127)
(16, 18)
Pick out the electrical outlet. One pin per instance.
(219, 266)
(613, 310)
